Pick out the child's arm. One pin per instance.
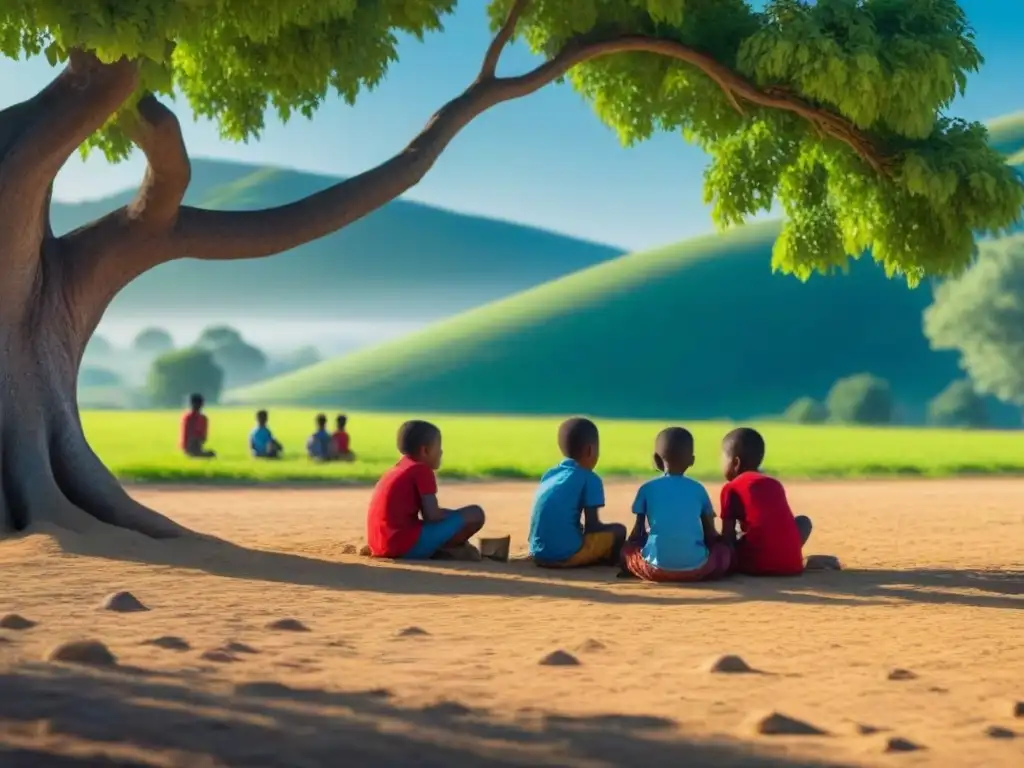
(640, 511)
(707, 520)
(591, 522)
(732, 514)
(430, 509)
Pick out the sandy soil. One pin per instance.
(933, 584)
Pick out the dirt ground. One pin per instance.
(439, 664)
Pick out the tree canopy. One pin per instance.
(834, 110)
(981, 316)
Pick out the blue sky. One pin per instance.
(545, 160)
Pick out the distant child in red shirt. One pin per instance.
(194, 428)
(404, 519)
(340, 442)
(772, 539)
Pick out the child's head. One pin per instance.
(196, 401)
(673, 450)
(261, 417)
(578, 439)
(742, 451)
(421, 441)
(321, 421)
(341, 421)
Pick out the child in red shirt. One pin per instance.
(772, 538)
(341, 448)
(194, 429)
(404, 519)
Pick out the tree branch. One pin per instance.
(497, 46)
(157, 133)
(56, 121)
(223, 235)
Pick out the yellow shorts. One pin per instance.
(598, 547)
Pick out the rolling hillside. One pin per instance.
(697, 330)
(406, 260)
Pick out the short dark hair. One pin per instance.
(575, 435)
(745, 444)
(674, 444)
(196, 400)
(341, 421)
(415, 435)
(321, 419)
(262, 415)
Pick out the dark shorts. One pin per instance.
(717, 565)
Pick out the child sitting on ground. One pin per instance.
(261, 440)
(674, 538)
(404, 519)
(772, 539)
(194, 428)
(571, 489)
(319, 446)
(341, 444)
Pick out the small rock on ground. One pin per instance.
(822, 563)
(288, 625)
(15, 621)
(169, 643)
(778, 724)
(591, 646)
(727, 664)
(122, 602)
(236, 647)
(1018, 709)
(560, 659)
(998, 732)
(413, 632)
(901, 674)
(88, 652)
(899, 744)
(219, 656)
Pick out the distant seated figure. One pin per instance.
(320, 446)
(341, 447)
(261, 440)
(194, 428)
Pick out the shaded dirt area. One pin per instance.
(438, 664)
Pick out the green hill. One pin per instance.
(701, 329)
(406, 260)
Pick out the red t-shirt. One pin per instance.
(771, 543)
(340, 439)
(393, 522)
(193, 427)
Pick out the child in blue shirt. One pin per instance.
(568, 492)
(262, 444)
(674, 538)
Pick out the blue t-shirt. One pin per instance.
(556, 530)
(319, 444)
(674, 505)
(260, 439)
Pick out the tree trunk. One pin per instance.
(54, 290)
(48, 472)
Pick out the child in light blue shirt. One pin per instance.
(674, 537)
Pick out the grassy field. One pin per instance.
(140, 446)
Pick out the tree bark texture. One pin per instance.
(54, 290)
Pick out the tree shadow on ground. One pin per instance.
(977, 588)
(62, 716)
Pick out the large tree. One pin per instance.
(980, 314)
(832, 109)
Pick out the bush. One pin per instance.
(175, 375)
(860, 399)
(958, 405)
(98, 377)
(806, 410)
(153, 341)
